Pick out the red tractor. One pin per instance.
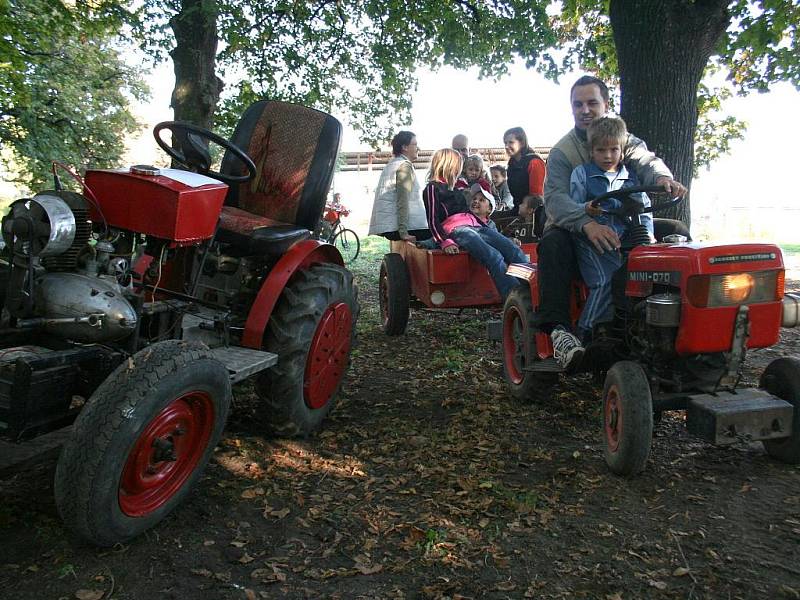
(129, 310)
(686, 314)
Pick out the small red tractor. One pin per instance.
(128, 311)
(686, 314)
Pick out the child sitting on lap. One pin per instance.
(473, 174)
(607, 137)
(453, 225)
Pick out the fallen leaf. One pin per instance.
(368, 569)
(202, 572)
(789, 592)
(680, 572)
(89, 594)
(250, 493)
(659, 585)
(246, 558)
(505, 586)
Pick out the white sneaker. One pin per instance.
(567, 348)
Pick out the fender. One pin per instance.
(301, 255)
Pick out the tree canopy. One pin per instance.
(64, 88)
(61, 77)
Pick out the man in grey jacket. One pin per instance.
(557, 265)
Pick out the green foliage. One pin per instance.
(64, 88)
(715, 132)
(357, 58)
(763, 46)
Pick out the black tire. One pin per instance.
(781, 378)
(627, 418)
(348, 244)
(519, 347)
(106, 488)
(312, 331)
(394, 293)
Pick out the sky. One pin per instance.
(749, 192)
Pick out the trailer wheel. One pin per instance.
(627, 418)
(141, 442)
(394, 293)
(781, 378)
(312, 331)
(519, 347)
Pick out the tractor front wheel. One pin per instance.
(141, 442)
(781, 378)
(627, 418)
(312, 331)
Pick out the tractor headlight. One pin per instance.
(735, 288)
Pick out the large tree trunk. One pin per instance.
(197, 87)
(663, 46)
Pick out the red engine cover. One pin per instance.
(707, 329)
(174, 205)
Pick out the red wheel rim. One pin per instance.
(613, 418)
(514, 344)
(166, 454)
(327, 357)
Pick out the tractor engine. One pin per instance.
(59, 280)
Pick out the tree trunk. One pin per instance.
(663, 46)
(197, 87)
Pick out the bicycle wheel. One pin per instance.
(348, 244)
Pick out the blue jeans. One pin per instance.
(597, 271)
(493, 250)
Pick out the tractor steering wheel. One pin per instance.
(630, 206)
(191, 150)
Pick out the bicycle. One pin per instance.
(333, 232)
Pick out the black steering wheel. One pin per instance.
(631, 206)
(191, 150)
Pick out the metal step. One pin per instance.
(547, 365)
(243, 362)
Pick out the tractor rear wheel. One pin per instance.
(519, 347)
(141, 442)
(312, 331)
(627, 418)
(781, 378)
(394, 293)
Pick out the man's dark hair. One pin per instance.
(590, 80)
(518, 133)
(401, 138)
(499, 168)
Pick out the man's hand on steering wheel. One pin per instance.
(603, 237)
(675, 188)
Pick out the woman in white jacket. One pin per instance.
(398, 212)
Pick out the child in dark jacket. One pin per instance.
(453, 225)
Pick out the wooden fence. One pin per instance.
(375, 161)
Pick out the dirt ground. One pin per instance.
(429, 481)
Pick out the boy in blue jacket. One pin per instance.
(606, 173)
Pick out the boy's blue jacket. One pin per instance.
(588, 181)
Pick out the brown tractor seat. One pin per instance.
(253, 235)
(294, 149)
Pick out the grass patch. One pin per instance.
(790, 248)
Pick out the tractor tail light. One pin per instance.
(735, 288)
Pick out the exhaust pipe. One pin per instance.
(791, 310)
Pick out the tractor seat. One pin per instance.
(256, 235)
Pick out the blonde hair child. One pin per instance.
(445, 167)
